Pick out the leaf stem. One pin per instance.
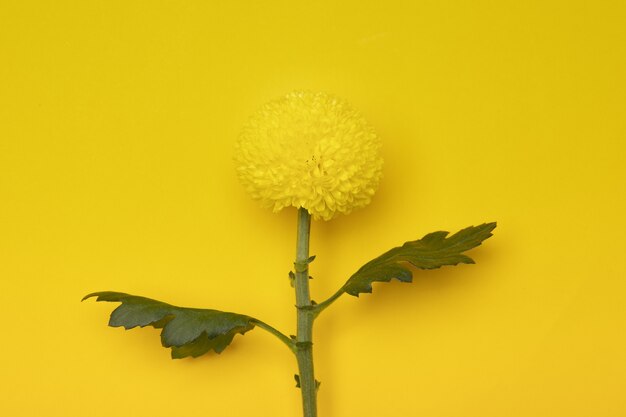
(286, 340)
(324, 304)
(305, 316)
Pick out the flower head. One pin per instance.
(310, 150)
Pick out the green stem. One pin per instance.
(304, 336)
(290, 343)
(324, 304)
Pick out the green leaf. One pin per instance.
(187, 331)
(430, 252)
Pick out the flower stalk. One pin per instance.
(305, 316)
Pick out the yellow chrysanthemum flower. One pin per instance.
(310, 150)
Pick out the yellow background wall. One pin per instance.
(117, 120)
